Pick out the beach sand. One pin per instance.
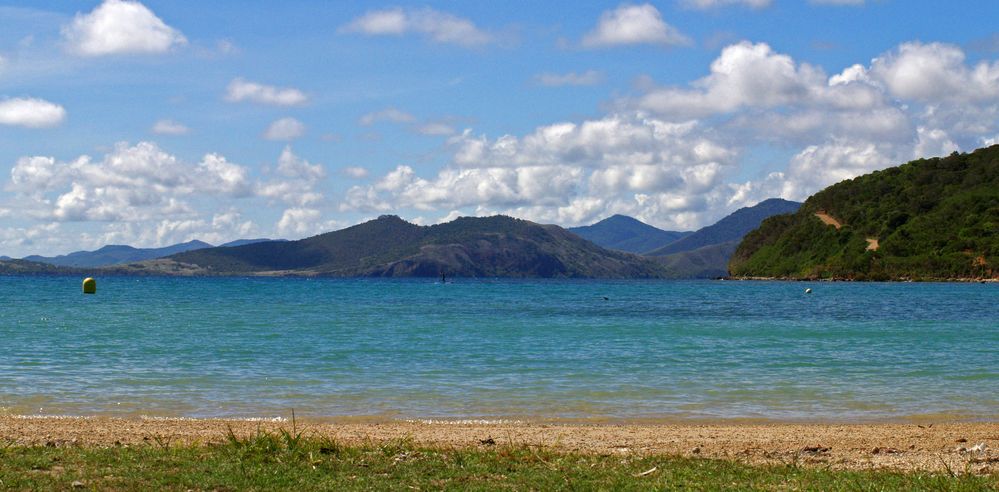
(937, 447)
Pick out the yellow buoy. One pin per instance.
(89, 286)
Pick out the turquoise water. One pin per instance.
(537, 349)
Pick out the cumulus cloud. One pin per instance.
(120, 27)
(131, 183)
(295, 181)
(568, 172)
(744, 75)
(633, 24)
(170, 127)
(31, 113)
(285, 129)
(936, 72)
(437, 26)
(711, 4)
(589, 77)
(818, 166)
(242, 90)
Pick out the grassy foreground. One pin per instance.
(286, 460)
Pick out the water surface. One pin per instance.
(531, 349)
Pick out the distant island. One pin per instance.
(929, 219)
(496, 246)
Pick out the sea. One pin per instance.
(499, 349)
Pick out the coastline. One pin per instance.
(934, 447)
(958, 280)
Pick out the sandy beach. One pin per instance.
(938, 447)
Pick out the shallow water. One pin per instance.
(533, 349)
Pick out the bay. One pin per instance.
(499, 349)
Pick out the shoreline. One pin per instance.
(939, 446)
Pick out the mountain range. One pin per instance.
(116, 254)
(496, 246)
(625, 233)
(704, 253)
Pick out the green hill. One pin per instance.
(625, 233)
(389, 246)
(927, 219)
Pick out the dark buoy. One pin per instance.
(89, 286)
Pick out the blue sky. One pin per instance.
(158, 122)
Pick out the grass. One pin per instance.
(289, 460)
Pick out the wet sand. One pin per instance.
(938, 447)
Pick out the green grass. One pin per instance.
(289, 460)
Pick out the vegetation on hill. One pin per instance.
(731, 228)
(929, 219)
(624, 233)
(469, 247)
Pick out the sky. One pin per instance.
(156, 122)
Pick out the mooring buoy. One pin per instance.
(89, 286)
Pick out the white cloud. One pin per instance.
(711, 4)
(933, 142)
(391, 115)
(242, 90)
(170, 127)
(355, 172)
(936, 72)
(296, 181)
(633, 24)
(120, 27)
(589, 77)
(818, 166)
(31, 113)
(567, 172)
(285, 129)
(131, 183)
(437, 26)
(744, 75)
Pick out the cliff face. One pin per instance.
(927, 219)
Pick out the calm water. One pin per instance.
(498, 349)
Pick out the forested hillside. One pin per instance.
(927, 219)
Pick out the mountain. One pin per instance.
(5, 258)
(705, 262)
(624, 233)
(927, 219)
(496, 246)
(115, 254)
(731, 228)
